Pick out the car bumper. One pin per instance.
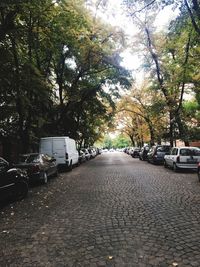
(186, 166)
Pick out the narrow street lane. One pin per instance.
(111, 211)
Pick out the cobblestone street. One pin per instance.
(111, 211)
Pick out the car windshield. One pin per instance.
(163, 149)
(29, 158)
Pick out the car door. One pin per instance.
(172, 157)
(196, 155)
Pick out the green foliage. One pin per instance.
(60, 72)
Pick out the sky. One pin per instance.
(115, 16)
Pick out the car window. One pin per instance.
(196, 152)
(23, 158)
(163, 149)
(185, 152)
(33, 159)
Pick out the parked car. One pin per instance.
(182, 158)
(143, 153)
(13, 182)
(156, 153)
(92, 152)
(39, 167)
(135, 152)
(198, 171)
(62, 148)
(82, 157)
(87, 154)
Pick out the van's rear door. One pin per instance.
(59, 150)
(46, 147)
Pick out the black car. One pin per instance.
(39, 167)
(143, 153)
(13, 182)
(156, 153)
(198, 171)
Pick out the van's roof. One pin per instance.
(53, 137)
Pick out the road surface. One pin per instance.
(111, 211)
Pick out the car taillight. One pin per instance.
(66, 156)
(35, 168)
(178, 159)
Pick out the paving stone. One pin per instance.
(113, 211)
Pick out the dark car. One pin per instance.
(13, 182)
(135, 153)
(143, 153)
(156, 153)
(198, 171)
(39, 167)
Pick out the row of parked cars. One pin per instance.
(16, 178)
(173, 157)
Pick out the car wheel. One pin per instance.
(70, 166)
(44, 178)
(21, 190)
(175, 168)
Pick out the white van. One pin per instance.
(62, 148)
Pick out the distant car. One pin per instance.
(135, 153)
(156, 153)
(182, 158)
(198, 171)
(13, 182)
(38, 166)
(87, 154)
(92, 152)
(82, 157)
(143, 153)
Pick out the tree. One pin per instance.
(167, 60)
(142, 114)
(60, 71)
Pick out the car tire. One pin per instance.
(175, 168)
(70, 166)
(21, 190)
(44, 178)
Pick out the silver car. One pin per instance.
(182, 158)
